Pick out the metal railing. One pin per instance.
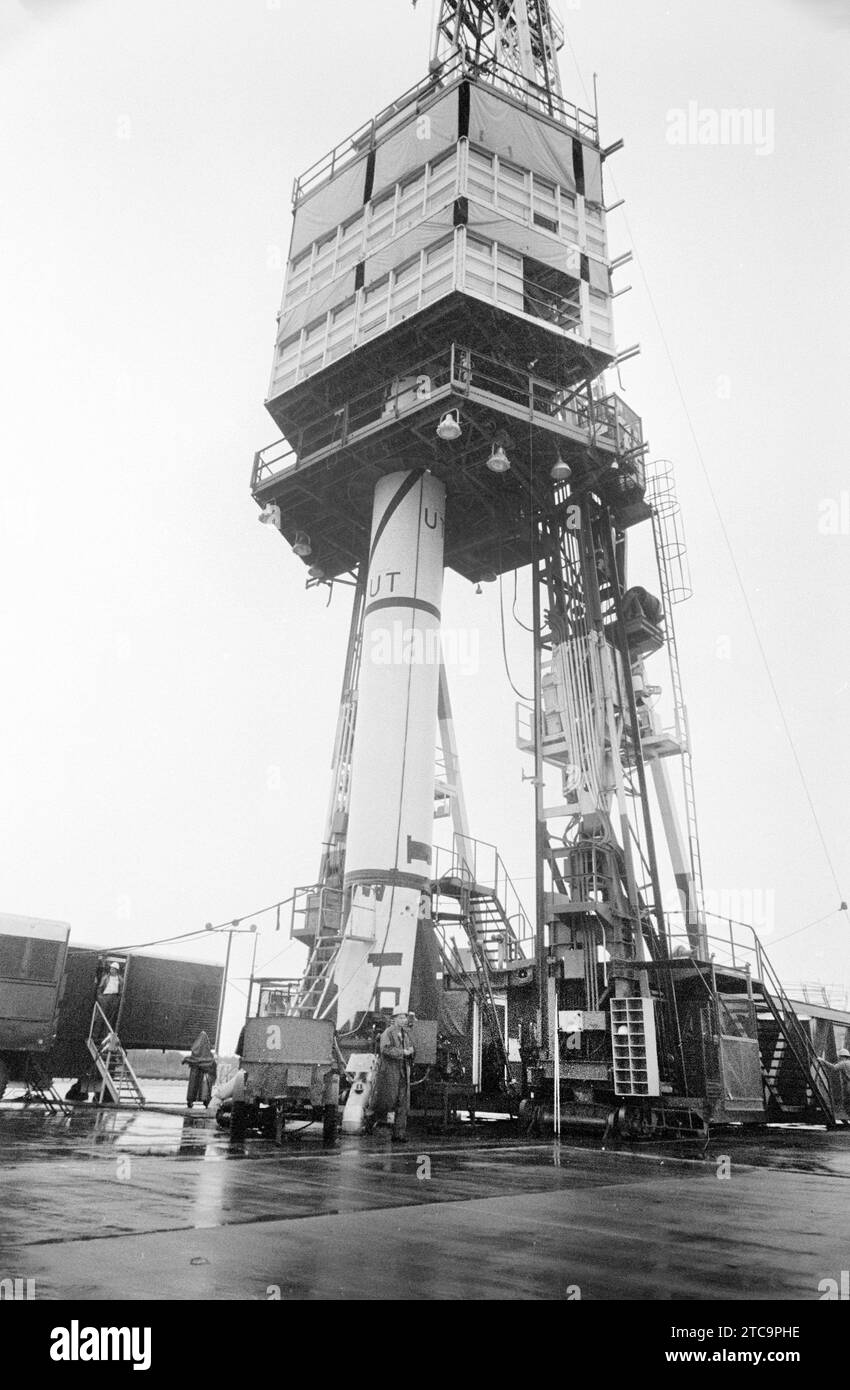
(543, 302)
(607, 423)
(452, 70)
(316, 910)
(364, 137)
(738, 946)
(488, 873)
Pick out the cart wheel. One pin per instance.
(223, 1114)
(239, 1122)
(330, 1118)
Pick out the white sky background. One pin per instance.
(170, 690)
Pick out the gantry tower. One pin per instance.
(440, 380)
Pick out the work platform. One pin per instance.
(323, 475)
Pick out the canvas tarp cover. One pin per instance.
(600, 278)
(331, 204)
(528, 241)
(397, 252)
(433, 129)
(513, 133)
(316, 305)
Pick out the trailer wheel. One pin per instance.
(239, 1122)
(4, 1076)
(330, 1118)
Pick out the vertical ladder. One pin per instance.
(333, 854)
(674, 581)
(317, 980)
(316, 983)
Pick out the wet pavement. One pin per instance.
(159, 1203)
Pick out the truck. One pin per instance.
(32, 967)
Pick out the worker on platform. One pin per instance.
(842, 1066)
(110, 983)
(391, 1087)
(202, 1071)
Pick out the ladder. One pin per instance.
(675, 588)
(117, 1078)
(333, 856)
(317, 980)
(41, 1090)
(316, 989)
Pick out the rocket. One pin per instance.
(391, 803)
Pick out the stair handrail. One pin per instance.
(504, 892)
(798, 1036)
(811, 1061)
(114, 1046)
(461, 870)
(750, 945)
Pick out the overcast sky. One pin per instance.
(170, 689)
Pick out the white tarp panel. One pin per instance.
(600, 278)
(395, 253)
(328, 206)
(592, 174)
(316, 305)
(421, 139)
(527, 240)
(515, 134)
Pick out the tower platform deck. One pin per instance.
(323, 475)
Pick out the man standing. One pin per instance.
(391, 1088)
(842, 1066)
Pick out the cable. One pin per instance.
(199, 931)
(163, 941)
(235, 921)
(725, 534)
(517, 619)
(787, 937)
(518, 693)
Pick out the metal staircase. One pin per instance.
(322, 909)
(117, 1078)
(457, 883)
(738, 952)
(794, 1041)
(497, 930)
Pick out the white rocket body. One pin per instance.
(391, 805)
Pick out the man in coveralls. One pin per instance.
(391, 1089)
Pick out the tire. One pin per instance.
(239, 1116)
(4, 1076)
(330, 1119)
